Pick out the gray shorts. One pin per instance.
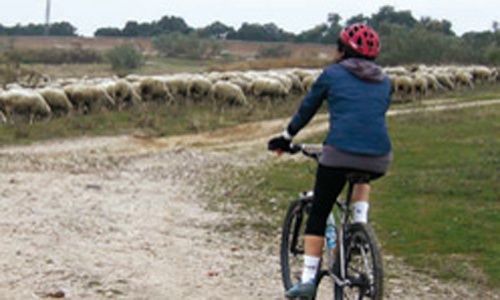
(332, 157)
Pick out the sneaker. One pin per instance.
(302, 290)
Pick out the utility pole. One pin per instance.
(47, 18)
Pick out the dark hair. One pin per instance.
(349, 52)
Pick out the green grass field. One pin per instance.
(438, 208)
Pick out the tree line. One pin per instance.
(406, 39)
(55, 29)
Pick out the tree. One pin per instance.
(387, 14)
(216, 30)
(443, 26)
(108, 31)
(62, 29)
(314, 35)
(358, 19)
(169, 24)
(257, 32)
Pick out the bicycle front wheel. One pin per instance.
(363, 265)
(292, 243)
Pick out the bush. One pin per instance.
(124, 58)
(186, 46)
(277, 51)
(54, 56)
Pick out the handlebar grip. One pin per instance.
(295, 148)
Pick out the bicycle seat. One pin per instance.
(358, 177)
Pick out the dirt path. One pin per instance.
(123, 218)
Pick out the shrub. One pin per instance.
(125, 57)
(54, 56)
(186, 46)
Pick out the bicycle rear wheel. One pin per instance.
(363, 265)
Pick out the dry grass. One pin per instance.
(273, 63)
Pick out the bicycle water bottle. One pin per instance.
(331, 233)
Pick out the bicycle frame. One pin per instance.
(344, 209)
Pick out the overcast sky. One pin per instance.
(292, 15)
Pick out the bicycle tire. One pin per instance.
(295, 213)
(356, 234)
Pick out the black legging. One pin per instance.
(329, 184)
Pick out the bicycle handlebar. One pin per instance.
(313, 151)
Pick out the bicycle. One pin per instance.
(354, 267)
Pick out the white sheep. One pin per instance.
(177, 85)
(445, 79)
(3, 118)
(403, 86)
(24, 103)
(464, 78)
(268, 87)
(153, 90)
(482, 74)
(57, 100)
(420, 85)
(308, 82)
(89, 98)
(199, 87)
(225, 92)
(123, 93)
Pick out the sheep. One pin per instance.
(403, 86)
(243, 84)
(3, 118)
(268, 87)
(445, 80)
(284, 80)
(482, 74)
(464, 78)
(399, 71)
(432, 82)
(227, 92)
(132, 78)
(177, 85)
(308, 82)
(199, 87)
(24, 103)
(420, 85)
(57, 100)
(89, 98)
(153, 90)
(123, 94)
(297, 86)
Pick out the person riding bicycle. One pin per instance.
(358, 94)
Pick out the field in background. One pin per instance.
(238, 48)
(237, 55)
(438, 208)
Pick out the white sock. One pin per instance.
(360, 211)
(311, 265)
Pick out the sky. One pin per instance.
(291, 15)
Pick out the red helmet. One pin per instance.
(362, 39)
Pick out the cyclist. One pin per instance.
(358, 96)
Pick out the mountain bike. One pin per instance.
(353, 270)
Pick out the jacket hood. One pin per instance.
(364, 69)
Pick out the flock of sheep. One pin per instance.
(415, 82)
(85, 96)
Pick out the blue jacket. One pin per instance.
(357, 110)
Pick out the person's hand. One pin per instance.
(280, 143)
